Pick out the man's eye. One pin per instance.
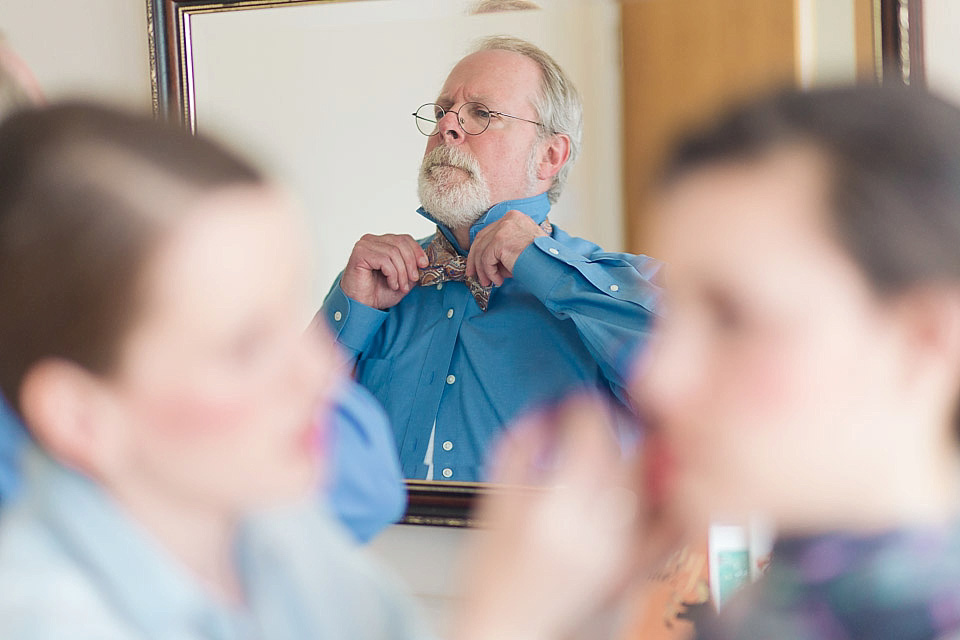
(438, 113)
(481, 114)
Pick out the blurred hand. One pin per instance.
(496, 248)
(564, 539)
(383, 269)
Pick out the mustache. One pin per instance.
(444, 156)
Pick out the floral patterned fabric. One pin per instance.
(898, 585)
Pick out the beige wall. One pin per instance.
(941, 25)
(826, 51)
(87, 48)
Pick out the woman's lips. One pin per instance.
(659, 468)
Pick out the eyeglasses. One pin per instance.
(474, 118)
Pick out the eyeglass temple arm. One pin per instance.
(507, 115)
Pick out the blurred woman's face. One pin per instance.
(219, 387)
(766, 379)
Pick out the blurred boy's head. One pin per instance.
(151, 332)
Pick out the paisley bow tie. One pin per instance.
(446, 265)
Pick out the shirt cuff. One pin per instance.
(541, 265)
(353, 323)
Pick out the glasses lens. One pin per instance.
(427, 117)
(474, 118)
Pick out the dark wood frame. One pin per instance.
(901, 42)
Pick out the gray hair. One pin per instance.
(558, 103)
(495, 6)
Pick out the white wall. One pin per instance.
(323, 94)
(88, 48)
(426, 559)
(826, 46)
(941, 26)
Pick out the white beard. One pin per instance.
(452, 200)
(455, 200)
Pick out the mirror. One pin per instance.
(321, 92)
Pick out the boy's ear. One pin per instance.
(68, 411)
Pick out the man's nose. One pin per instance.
(450, 129)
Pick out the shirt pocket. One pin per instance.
(374, 374)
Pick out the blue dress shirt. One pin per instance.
(365, 487)
(571, 317)
(12, 441)
(74, 564)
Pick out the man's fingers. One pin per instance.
(419, 253)
(489, 267)
(394, 258)
(475, 250)
(407, 248)
(386, 259)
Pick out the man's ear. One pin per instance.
(70, 414)
(554, 153)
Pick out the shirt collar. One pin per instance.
(117, 552)
(537, 207)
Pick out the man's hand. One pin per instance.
(383, 269)
(496, 248)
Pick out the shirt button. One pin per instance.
(614, 288)
(447, 473)
(449, 313)
(451, 379)
(554, 251)
(439, 286)
(337, 317)
(447, 446)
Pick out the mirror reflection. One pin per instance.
(460, 273)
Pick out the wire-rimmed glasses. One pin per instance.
(474, 118)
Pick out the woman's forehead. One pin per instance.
(237, 244)
(762, 221)
(778, 196)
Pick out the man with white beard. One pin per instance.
(499, 311)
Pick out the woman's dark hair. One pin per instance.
(86, 195)
(893, 164)
(892, 159)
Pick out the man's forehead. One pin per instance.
(492, 77)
